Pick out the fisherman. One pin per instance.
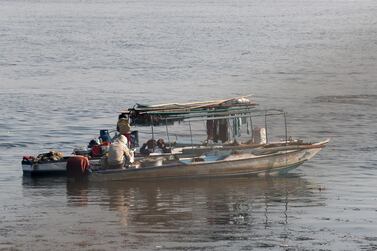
(148, 147)
(123, 126)
(161, 145)
(153, 146)
(119, 154)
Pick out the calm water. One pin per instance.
(68, 67)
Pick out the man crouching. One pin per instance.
(119, 154)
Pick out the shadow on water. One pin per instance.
(364, 99)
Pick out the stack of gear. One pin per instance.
(50, 156)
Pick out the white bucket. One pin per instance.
(259, 135)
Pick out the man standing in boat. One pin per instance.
(123, 127)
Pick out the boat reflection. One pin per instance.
(252, 212)
(231, 201)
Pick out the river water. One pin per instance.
(68, 67)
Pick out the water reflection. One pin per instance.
(230, 201)
(250, 212)
(196, 207)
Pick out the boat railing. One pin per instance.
(216, 114)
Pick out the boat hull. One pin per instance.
(279, 162)
(51, 168)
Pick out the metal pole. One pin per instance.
(251, 125)
(152, 128)
(228, 129)
(286, 128)
(265, 125)
(286, 137)
(167, 131)
(192, 144)
(251, 128)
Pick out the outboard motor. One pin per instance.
(77, 167)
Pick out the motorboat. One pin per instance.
(222, 152)
(219, 154)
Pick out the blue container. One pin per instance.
(104, 135)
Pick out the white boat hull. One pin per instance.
(45, 168)
(278, 162)
(49, 168)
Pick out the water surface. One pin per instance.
(68, 67)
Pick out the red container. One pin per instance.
(96, 151)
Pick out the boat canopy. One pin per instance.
(162, 114)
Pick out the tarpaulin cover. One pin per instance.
(77, 166)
